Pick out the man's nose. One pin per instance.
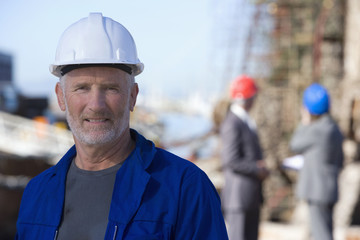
(96, 100)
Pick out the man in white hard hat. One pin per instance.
(113, 183)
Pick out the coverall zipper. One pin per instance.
(56, 233)
(115, 231)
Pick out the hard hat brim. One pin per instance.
(57, 70)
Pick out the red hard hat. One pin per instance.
(243, 87)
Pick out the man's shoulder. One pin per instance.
(171, 159)
(48, 174)
(174, 164)
(175, 171)
(326, 126)
(41, 178)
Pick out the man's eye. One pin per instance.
(81, 88)
(112, 89)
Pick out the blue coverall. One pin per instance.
(156, 195)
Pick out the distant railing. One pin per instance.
(28, 138)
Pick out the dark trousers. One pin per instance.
(321, 221)
(243, 225)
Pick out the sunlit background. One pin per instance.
(184, 44)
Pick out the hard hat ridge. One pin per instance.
(96, 40)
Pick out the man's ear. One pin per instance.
(60, 96)
(133, 96)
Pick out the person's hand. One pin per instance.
(262, 172)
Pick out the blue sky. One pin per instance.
(179, 42)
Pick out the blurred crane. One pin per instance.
(28, 138)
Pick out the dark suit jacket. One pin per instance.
(240, 151)
(321, 145)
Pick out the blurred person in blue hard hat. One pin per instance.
(113, 183)
(242, 163)
(319, 139)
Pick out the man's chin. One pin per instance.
(94, 142)
(95, 139)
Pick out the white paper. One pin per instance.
(295, 162)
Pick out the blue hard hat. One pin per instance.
(316, 99)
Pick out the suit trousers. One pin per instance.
(243, 225)
(321, 220)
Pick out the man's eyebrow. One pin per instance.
(80, 84)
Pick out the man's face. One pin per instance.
(249, 103)
(97, 102)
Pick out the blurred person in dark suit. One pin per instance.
(243, 164)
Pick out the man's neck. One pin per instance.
(99, 157)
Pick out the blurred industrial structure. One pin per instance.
(287, 45)
(313, 41)
(28, 144)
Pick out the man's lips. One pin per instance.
(96, 120)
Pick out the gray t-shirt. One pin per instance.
(87, 203)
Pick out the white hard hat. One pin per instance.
(96, 40)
